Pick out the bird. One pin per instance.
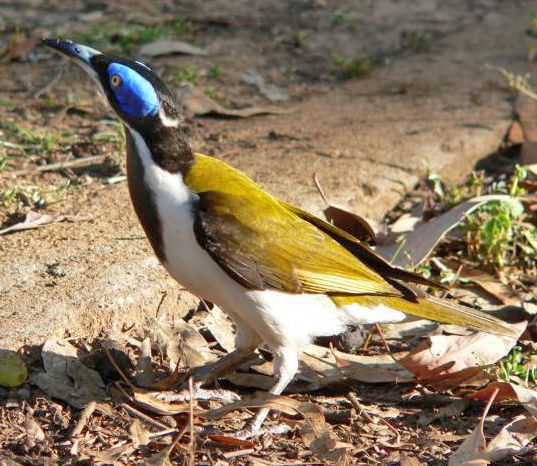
(283, 275)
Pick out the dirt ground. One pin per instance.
(371, 96)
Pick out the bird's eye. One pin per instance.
(115, 80)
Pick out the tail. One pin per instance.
(430, 308)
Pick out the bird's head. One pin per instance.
(138, 96)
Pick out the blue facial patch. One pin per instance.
(134, 94)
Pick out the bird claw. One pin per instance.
(248, 432)
(251, 431)
(198, 393)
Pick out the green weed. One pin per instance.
(347, 68)
(497, 233)
(514, 367)
(126, 38)
(416, 41)
(213, 72)
(186, 73)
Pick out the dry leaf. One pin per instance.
(407, 460)
(37, 220)
(472, 452)
(513, 439)
(144, 373)
(319, 368)
(509, 391)
(197, 103)
(169, 47)
(440, 355)
(491, 285)
(221, 328)
(270, 91)
(34, 432)
(420, 238)
(66, 377)
(231, 441)
(139, 435)
(154, 402)
(315, 431)
(350, 222)
(451, 410)
(113, 456)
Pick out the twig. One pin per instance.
(358, 407)
(192, 442)
(117, 368)
(143, 417)
(76, 163)
(320, 189)
(381, 335)
(84, 418)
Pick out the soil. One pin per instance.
(428, 104)
(417, 99)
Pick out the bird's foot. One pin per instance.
(252, 431)
(248, 432)
(198, 393)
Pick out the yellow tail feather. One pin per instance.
(433, 308)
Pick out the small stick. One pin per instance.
(144, 417)
(192, 442)
(76, 163)
(84, 418)
(381, 335)
(117, 368)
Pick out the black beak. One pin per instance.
(81, 54)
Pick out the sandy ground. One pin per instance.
(427, 104)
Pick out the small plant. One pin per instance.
(127, 38)
(416, 41)
(213, 72)
(347, 68)
(186, 73)
(497, 233)
(516, 366)
(533, 23)
(344, 15)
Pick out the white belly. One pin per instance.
(279, 318)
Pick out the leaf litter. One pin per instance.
(137, 417)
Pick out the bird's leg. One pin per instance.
(285, 368)
(246, 342)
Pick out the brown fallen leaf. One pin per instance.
(416, 239)
(350, 222)
(170, 46)
(491, 285)
(66, 377)
(231, 441)
(139, 434)
(315, 431)
(221, 328)
(319, 368)
(509, 391)
(197, 103)
(270, 91)
(407, 460)
(441, 355)
(34, 433)
(472, 452)
(513, 439)
(37, 220)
